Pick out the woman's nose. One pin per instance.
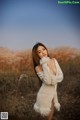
(42, 52)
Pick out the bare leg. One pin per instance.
(50, 116)
(52, 111)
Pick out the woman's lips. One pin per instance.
(44, 55)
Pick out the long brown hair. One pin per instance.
(35, 56)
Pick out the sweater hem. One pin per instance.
(42, 111)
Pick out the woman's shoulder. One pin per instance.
(54, 59)
(38, 68)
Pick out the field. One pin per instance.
(19, 84)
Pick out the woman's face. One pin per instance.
(42, 52)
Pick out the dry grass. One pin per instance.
(18, 89)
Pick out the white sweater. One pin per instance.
(48, 90)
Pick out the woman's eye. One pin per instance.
(43, 48)
(39, 52)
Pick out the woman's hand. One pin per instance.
(50, 63)
(44, 60)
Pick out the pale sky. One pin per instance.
(25, 22)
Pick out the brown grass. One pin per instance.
(19, 86)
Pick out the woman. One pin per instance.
(50, 73)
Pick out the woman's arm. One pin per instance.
(45, 75)
(48, 72)
(56, 102)
(59, 75)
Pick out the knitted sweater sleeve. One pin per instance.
(59, 75)
(45, 76)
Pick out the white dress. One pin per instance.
(48, 90)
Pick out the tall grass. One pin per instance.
(18, 91)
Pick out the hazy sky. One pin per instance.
(25, 22)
